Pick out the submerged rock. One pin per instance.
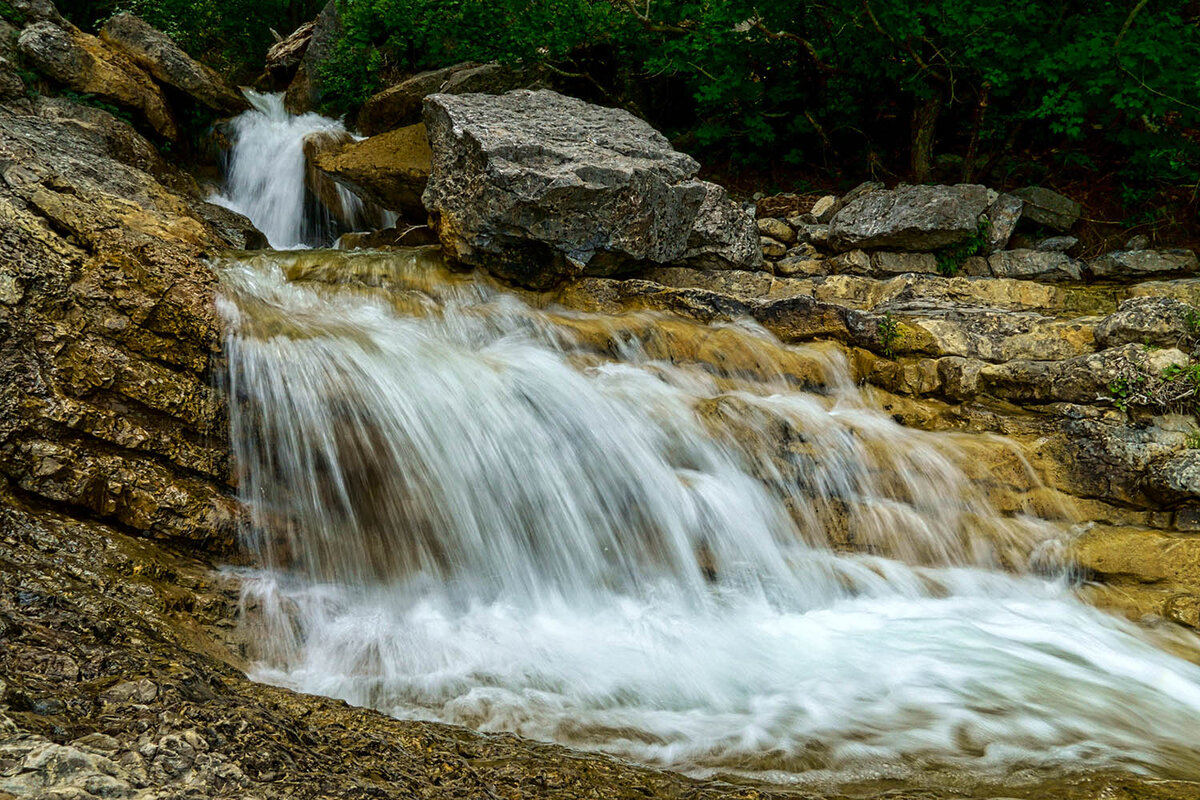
(154, 51)
(536, 187)
(909, 218)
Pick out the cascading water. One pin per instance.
(266, 178)
(590, 530)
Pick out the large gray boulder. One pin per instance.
(537, 187)
(909, 218)
(153, 51)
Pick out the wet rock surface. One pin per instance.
(390, 169)
(110, 332)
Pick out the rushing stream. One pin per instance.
(601, 531)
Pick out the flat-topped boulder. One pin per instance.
(909, 218)
(535, 187)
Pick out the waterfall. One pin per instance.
(686, 545)
(266, 178)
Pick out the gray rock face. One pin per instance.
(1033, 264)
(909, 218)
(1139, 264)
(535, 186)
(1057, 244)
(307, 90)
(1003, 215)
(400, 105)
(1049, 208)
(153, 51)
(1159, 321)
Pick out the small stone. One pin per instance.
(855, 262)
(1056, 244)
(1003, 215)
(824, 209)
(1139, 242)
(776, 229)
(772, 248)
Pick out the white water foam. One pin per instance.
(477, 520)
(266, 175)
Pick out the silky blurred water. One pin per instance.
(552, 523)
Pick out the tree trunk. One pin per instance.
(924, 123)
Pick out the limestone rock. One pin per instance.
(1057, 244)
(108, 403)
(153, 51)
(536, 186)
(1157, 321)
(777, 229)
(1003, 215)
(400, 105)
(1033, 264)
(1049, 208)
(1135, 265)
(86, 64)
(307, 89)
(888, 263)
(909, 218)
(346, 205)
(824, 209)
(772, 248)
(390, 169)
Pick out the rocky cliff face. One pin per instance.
(108, 402)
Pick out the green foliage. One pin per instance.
(950, 259)
(10, 14)
(888, 330)
(1192, 439)
(1176, 389)
(806, 81)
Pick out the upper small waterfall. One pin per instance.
(266, 177)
